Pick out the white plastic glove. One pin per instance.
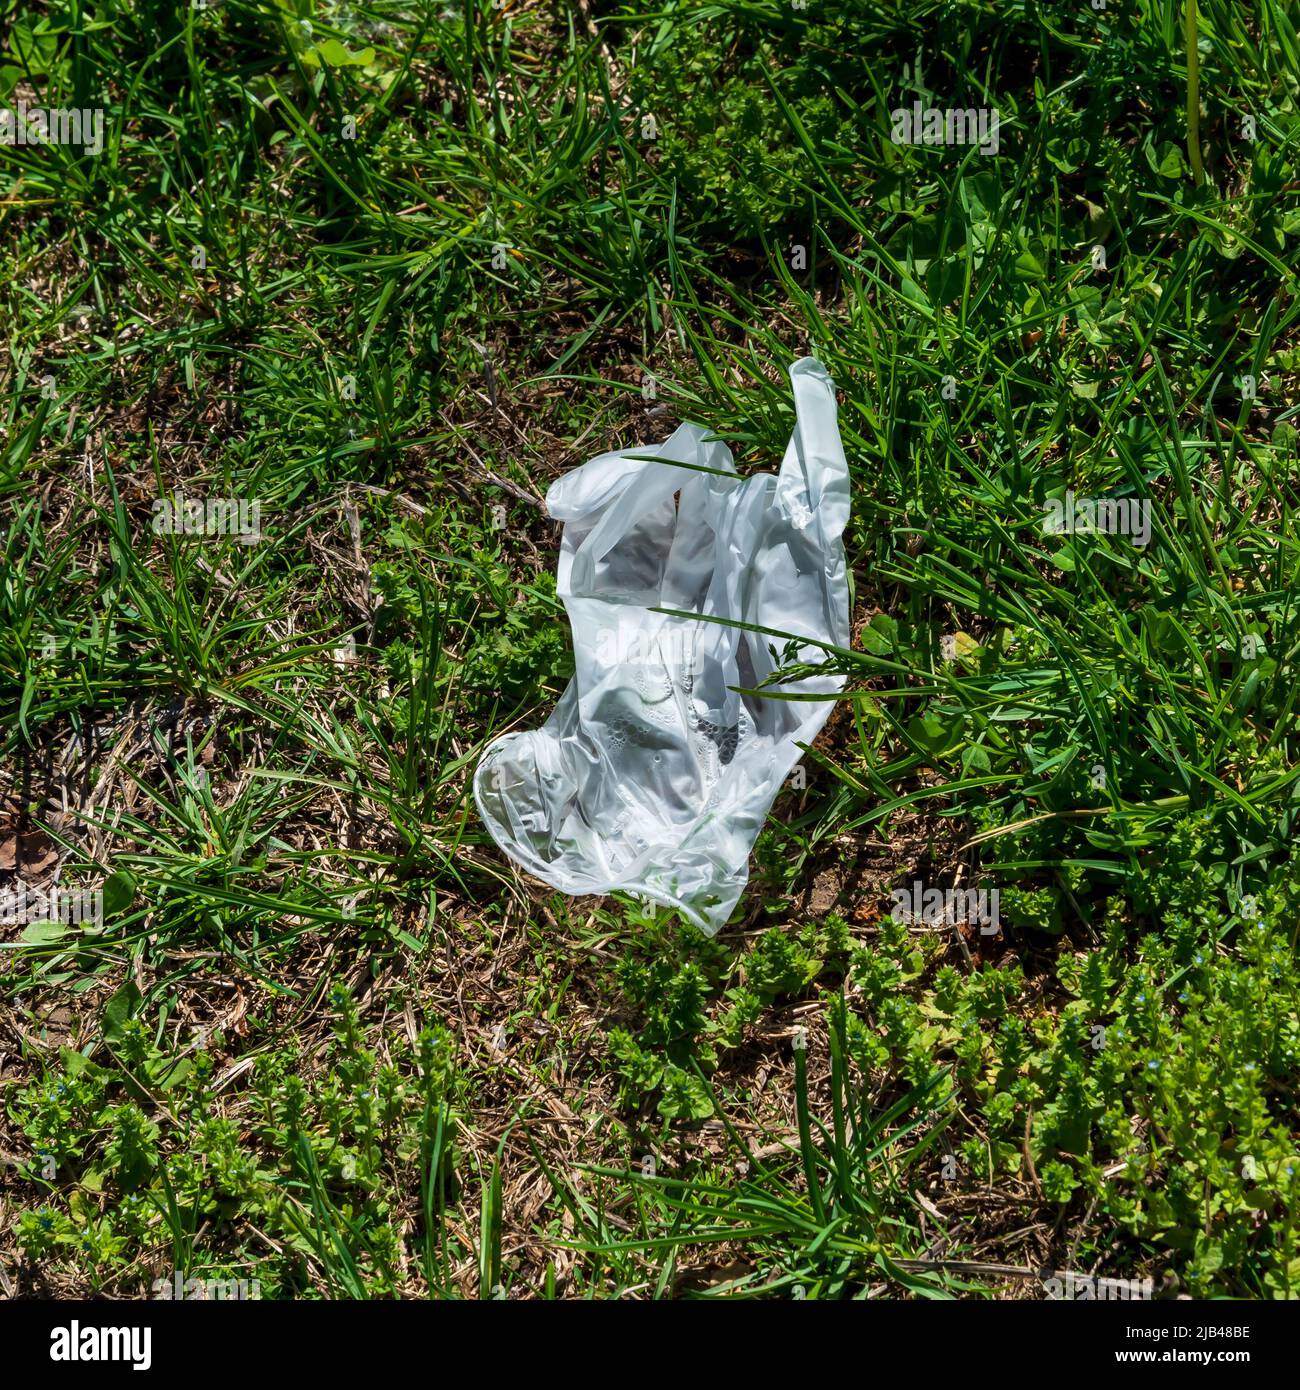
(652, 775)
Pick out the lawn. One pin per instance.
(304, 313)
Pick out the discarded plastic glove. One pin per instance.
(652, 774)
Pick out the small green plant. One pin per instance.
(315, 1170)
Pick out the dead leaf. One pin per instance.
(36, 853)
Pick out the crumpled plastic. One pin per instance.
(653, 774)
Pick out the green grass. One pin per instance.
(388, 270)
